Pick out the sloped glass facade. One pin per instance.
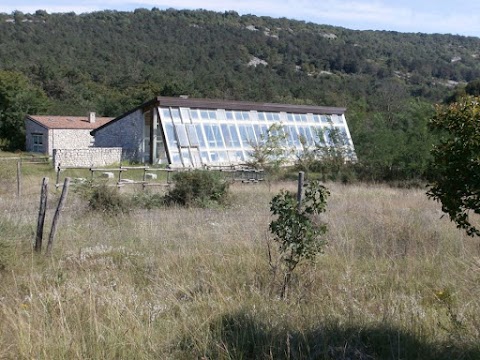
(194, 137)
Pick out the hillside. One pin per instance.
(110, 61)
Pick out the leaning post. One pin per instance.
(53, 230)
(41, 215)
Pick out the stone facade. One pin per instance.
(90, 157)
(57, 138)
(127, 133)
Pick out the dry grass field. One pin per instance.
(395, 282)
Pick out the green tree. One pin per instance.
(297, 229)
(18, 97)
(455, 172)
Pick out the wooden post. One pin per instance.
(41, 215)
(58, 177)
(301, 178)
(53, 230)
(19, 178)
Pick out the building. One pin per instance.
(184, 132)
(45, 133)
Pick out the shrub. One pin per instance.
(106, 199)
(198, 188)
(297, 231)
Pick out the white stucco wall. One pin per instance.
(87, 157)
(126, 132)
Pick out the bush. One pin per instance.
(106, 199)
(198, 188)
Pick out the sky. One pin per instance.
(426, 16)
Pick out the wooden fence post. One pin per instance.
(41, 215)
(58, 177)
(301, 178)
(19, 178)
(53, 230)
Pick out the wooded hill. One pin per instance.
(111, 61)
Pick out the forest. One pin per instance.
(111, 61)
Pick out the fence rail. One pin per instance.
(232, 173)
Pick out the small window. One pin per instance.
(37, 143)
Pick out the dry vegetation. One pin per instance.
(395, 282)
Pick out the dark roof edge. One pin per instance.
(247, 106)
(145, 104)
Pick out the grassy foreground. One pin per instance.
(395, 282)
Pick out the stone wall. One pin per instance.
(126, 132)
(87, 157)
(70, 139)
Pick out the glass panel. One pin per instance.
(269, 116)
(165, 113)
(218, 136)
(204, 114)
(258, 132)
(246, 115)
(209, 135)
(201, 138)
(194, 114)
(192, 135)
(175, 157)
(236, 156)
(170, 132)
(226, 135)
(251, 134)
(175, 114)
(276, 117)
(316, 118)
(290, 139)
(238, 115)
(317, 134)
(204, 156)
(212, 115)
(234, 134)
(186, 157)
(294, 135)
(261, 116)
(229, 115)
(290, 117)
(182, 135)
(304, 117)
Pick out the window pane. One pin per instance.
(226, 135)
(209, 135)
(165, 113)
(192, 135)
(218, 136)
(170, 132)
(290, 117)
(194, 114)
(212, 115)
(204, 114)
(201, 138)
(229, 115)
(175, 114)
(261, 116)
(182, 135)
(238, 115)
(276, 116)
(269, 116)
(234, 136)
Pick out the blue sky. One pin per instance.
(428, 16)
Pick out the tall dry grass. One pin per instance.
(395, 282)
